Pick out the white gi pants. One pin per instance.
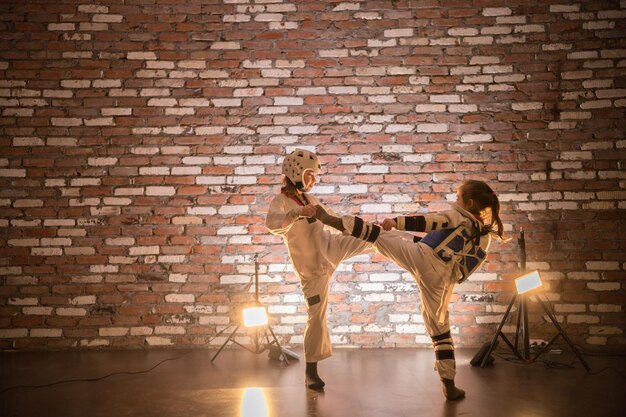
(317, 345)
(432, 276)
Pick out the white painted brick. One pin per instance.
(61, 26)
(479, 137)
(102, 161)
(28, 203)
(527, 106)
(120, 241)
(374, 169)
(232, 230)
(462, 108)
(46, 333)
(532, 206)
(611, 93)
(432, 127)
(27, 141)
(66, 121)
(604, 286)
(214, 320)
(595, 340)
(172, 259)
(104, 268)
(463, 32)
(570, 308)
(311, 91)
(226, 102)
(159, 341)
(211, 180)
(169, 330)
(66, 311)
(141, 55)
(37, 311)
(13, 333)
(556, 47)
(563, 205)
(611, 14)
(95, 342)
(445, 98)
(496, 11)
(383, 297)
(13, 173)
(180, 298)
(368, 16)
(605, 308)
(602, 265)
(375, 208)
(160, 191)
(398, 33)
(208, 211)
(23, 242)
(410, 329)
(46, 252)
(303, 130)
(83, 300)
(582, 318)
(79, 250)
(600, 330)
(583, 55)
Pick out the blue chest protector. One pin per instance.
(458, 245)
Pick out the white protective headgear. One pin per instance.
(297, 162)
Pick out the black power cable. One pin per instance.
(67, 381)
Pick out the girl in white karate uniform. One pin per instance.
(455, 246)
(315, 252)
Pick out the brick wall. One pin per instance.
(141, 143)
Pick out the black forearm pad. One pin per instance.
(415, 224)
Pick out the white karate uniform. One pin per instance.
(435, 268)
(315, 254)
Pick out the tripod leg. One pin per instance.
(525, 333)
(518, 327)
(278, 344)
(562, 333)
(225, 343)
(495, 336)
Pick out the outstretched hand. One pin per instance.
(389, 224)
(308, 210)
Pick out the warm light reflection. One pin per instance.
(528, 282)
(254, 316)
(253, 403)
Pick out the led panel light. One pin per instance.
(254, 316)
(528, 282)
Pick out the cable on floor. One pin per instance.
(66, 381)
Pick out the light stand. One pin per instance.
(521, 332)
(257, 317)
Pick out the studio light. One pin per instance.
(527, 286)
(528, 282)
(254, 316)
(264, 338)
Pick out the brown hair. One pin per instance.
(483, 197)
(288, 188)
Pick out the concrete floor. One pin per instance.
(360, 382)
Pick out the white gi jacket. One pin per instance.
(315, 253)
(308, 242)
(458, 242)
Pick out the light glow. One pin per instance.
(254, 316)
(254, 403)
(528, 282)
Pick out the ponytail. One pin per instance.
(495, 218)
(484, 198)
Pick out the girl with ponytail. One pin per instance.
(455, 246)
